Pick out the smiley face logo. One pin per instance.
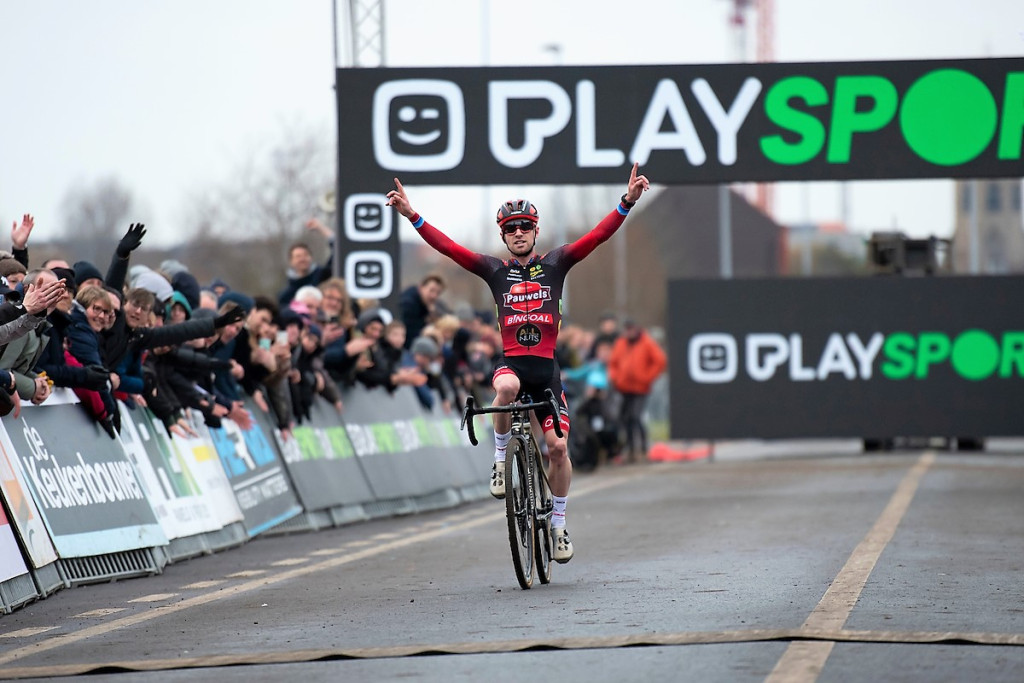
(366, 218)
(369, 274)
(419, 124)
(425, 117)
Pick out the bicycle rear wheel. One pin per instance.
(519, 510)
(542, 526)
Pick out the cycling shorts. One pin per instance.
(536, 374)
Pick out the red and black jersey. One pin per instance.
(528, 298)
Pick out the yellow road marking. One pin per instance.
(803, 661)
(155, 597)
(245, 574)
(104, 612)
(290, 562)
(27, 632)
(327, 551)
(204, 584)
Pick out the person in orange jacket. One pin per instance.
(635, 363)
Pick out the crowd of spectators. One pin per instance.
(161, 339)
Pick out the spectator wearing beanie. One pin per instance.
(12, 271)
(186, 283)
(87, 274)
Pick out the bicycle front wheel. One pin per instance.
(542, 514)
(519, 510)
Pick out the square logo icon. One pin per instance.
(367, 218)
(712, 358)
(369, 274)
(419, 124)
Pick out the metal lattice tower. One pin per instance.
(363, 23)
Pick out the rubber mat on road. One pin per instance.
(497, 647)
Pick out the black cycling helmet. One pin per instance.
(516, 209)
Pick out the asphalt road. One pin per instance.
(779, 564)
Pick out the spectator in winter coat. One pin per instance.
(388, 369)
(342, 346)
(88, 319)
(419, 304)
(51, 359)
(20, 355)
(636, 361)
(302, 269)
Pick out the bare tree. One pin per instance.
(265, 203)
(272, 192)
(95, 217)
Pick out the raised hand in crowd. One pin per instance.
(315, 225)
(131, 240)
(359, 345)
(44, 297)
(20, 233)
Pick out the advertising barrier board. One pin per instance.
(89, 494)
(322, 462)
(188, 498)
(11, 562)
(256, 472)
(24, 515)
(855, 357)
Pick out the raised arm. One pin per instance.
(470, 260)
(582, 247)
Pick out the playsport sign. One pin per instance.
(865, 357)
(685, 124)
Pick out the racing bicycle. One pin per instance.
(528, 501)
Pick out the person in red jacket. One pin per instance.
(635, 363)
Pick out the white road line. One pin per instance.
(802, 662)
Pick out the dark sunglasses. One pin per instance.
(510, 228)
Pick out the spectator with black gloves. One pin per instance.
(133, 332)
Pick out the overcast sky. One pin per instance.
(169, 95)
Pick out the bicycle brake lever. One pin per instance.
(555, 417)
(467, 420)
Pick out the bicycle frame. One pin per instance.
(528, 503)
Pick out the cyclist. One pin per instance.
(527, 290)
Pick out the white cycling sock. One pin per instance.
(558, 511)
(500, 444)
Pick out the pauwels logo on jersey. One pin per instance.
(527, 296)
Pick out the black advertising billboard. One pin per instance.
(684, 124)
(703, 123)
(858, 357)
